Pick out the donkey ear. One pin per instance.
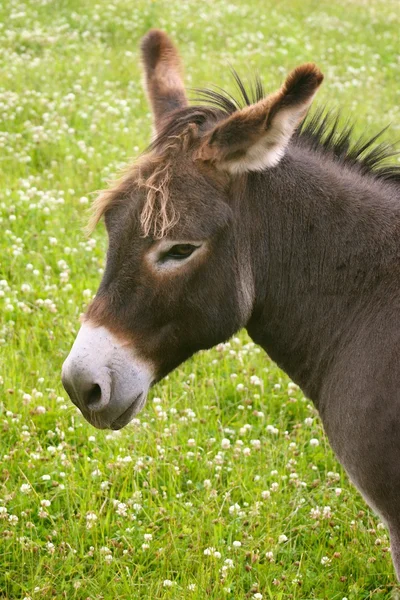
(162, 75)
(255, 137)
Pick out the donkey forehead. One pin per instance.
(195, 201)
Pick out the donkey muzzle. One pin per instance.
(104, 379)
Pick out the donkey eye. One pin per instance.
(180, 251)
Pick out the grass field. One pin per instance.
(225, 487)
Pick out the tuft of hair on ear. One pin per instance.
(303, 81)
(162, 75)
(156, 46)
(299, 88)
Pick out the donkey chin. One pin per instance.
(104, 379)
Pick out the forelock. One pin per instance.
(151, 173)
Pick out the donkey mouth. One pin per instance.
(127, 415)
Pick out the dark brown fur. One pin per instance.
(162, 75)
(305, 255)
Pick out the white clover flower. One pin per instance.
(50, 547)
(91, 519)
(25, 488)
(325, 560)
(314, 442)
(315, 513)
(191, 587)
(272, 429)
(191, 442)
(225, 444)
(45, 503)
(282, 539)
(13, 519)
(236, 544)
(147, 537)
(258, 596)
(25, 288)
(121, 509)
(209, 551)
(167, 583)
(326, 512)
(235, 508)
(269, 556)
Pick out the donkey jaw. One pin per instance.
(105, 379)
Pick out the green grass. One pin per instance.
(76, 504)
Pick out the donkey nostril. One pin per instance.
(93, 397)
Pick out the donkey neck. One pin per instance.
(324, 243)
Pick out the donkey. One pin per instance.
(242, 214)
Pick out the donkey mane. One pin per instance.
(321, 133)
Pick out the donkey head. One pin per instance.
(179, 270)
